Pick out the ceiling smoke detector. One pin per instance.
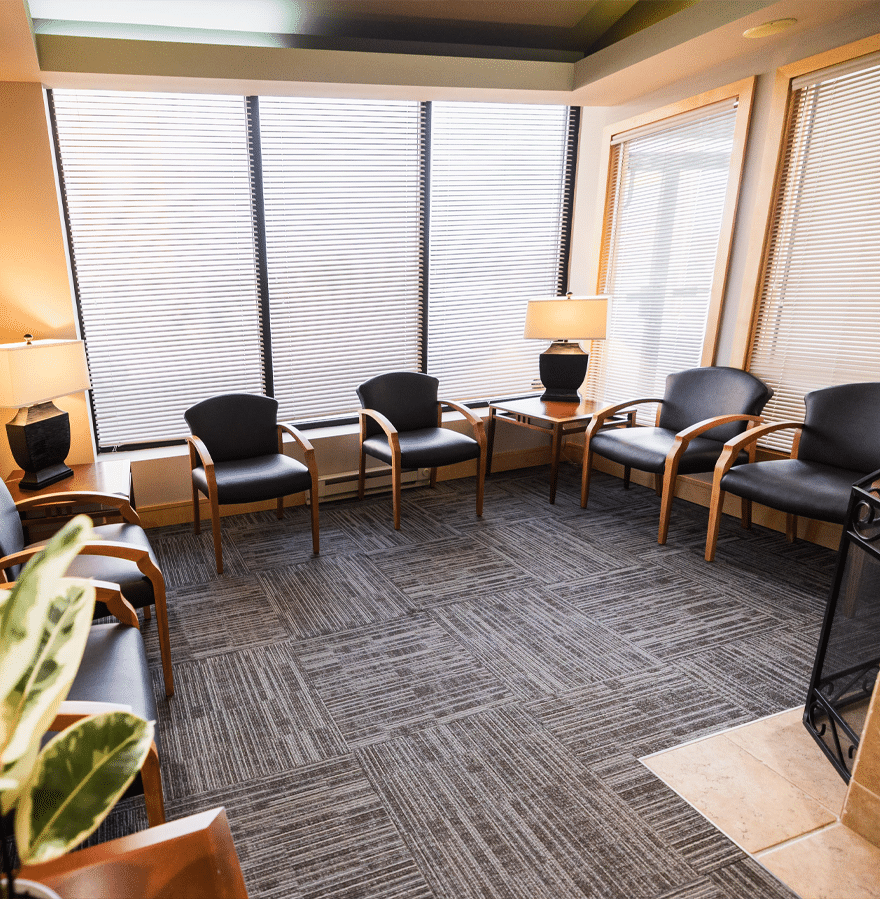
(769, 28)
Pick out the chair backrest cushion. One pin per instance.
(11, 531)
(236, 425)
(842, 427)
(699, 393)
(407, 399)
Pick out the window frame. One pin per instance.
(742, 93)
(770, 185)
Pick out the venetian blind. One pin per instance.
(499, 215)
(667, 189)
(818, 317)
(158, 202)
(343, 189)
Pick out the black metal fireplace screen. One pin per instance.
(848, 658)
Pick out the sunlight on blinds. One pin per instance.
(499, 176)
(343, 201)
(666, 203)
(158, 197)
(818, 319)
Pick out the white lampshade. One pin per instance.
(567, 318)
(42, 370)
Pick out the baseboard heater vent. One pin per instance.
(344, 484)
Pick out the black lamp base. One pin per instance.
(562, 368)
(39, 437)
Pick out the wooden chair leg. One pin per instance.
(395, 491)
(481, 481)
(197, 521)
(658, 484)
(627, 474)
(362, 473)
(585, 477)
(791, 527)
(313, 502)
(716, 504)
(433, 482)
(215, 527)
(151, 777)
(668, 495)
(164, 638)
(745, 512)
(148, 613)
(279, 512)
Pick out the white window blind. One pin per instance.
(667, 189)
(818, 317)
(498, 213)
(342, 183)
(158, 202)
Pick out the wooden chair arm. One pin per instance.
(198, 453)
(735, 446)
(380, 419)
(73, 710)
(478, 424)
(298, 436)
(74, 497)
(599, 418)
(118, 606)
(683, 438)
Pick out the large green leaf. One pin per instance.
(44, 625)
(79, 777)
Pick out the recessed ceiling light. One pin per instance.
(769, 28)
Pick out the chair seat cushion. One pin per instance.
(114, 668)
(256, 479)
(646, 449)
(810, 489)
(133, 585)
(426, 448)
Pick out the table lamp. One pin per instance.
(565, 321)
(32, 374)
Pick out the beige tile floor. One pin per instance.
(769, 787)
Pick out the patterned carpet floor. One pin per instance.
(456, 709)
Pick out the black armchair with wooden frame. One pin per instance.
(836, 445)
(700, 409)
(237, 456)
(114, 674)
(121, 554)
(401, 425)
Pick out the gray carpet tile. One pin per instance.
(632, 713)
(748, 879)
(494, 807)
(228, 614)
(396, 676)
(330, 594)
(319, 832)
(239, 716)
(536, 644)
(448, 569)
(675, 821)
(457, 709)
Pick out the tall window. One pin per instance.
(671, 187)
(158, 201)
(500, 200)
(818, 317)
(298, 247)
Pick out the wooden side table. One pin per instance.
(110, 476)
(557, 419)
(192, 857)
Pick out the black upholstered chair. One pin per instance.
(114, 674)
(121, 554)
(400, 424)
(237, 456)
(837, 444)
(700, 409)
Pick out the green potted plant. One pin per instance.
(59, 794)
